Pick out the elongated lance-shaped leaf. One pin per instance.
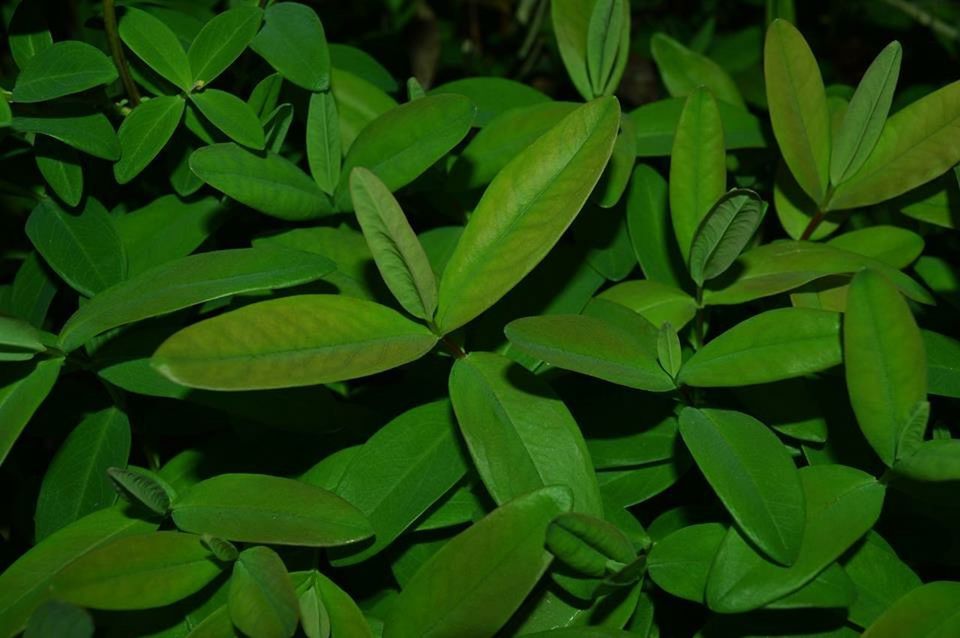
(798, 107)
(603, 41)
(395, 247)
(669, 353)
(525, 210)
(588, 544)
(323, 141)
(884, 358)
(571, 20)
(724, 233)
(866, 115)
(684, 71)
(138, 485)
(698, 167)
(156, 44)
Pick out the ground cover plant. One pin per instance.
(573, 318)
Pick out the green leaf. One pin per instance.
(724, 233)
(680, 563)
(475, 582)
(262, 601)
(648, 222)
(83, 249)
(189, 281)
(292, 41)
(937, 460)
(842, 504)
(268, 183)
(918, 143)
(157, 45)
(144, 133)
(684, 71)
(32, 290)
(520, 435)
(894, 246)
(405, 141)
(698, 168)
(655, 302)
(23, 387)
(232, 116)
(752, 473)
(607, 31)
(627, 487)
(137, 572)
(142, 487)
(795, 209)
(358, 103)
(323, 141)
(571, 21)
(362, 64)
(879, 577)
(56, 619)
(623, 354)
(587, 544)
(221, 41)
(256, 508)
(626, 446)
(782, 266)
(886, 369)
(798, 107)
(865, 116)
(76, 482)
(668, 350)
(26, 583)
(525, 210)
(494, 96)
(75, 125)
(292, 341)
(60, 166)
(62, 69)
(943, 364)
(225, 551)
(656, 124)
(771, 346)
(346, 619)
(19, 340)
(384, 479)
(27, 32)
(929, 611)
(395, 247)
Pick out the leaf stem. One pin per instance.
(116, 50)
(815, 221)
(449, 344)
(698, 326)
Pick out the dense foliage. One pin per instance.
(614, 319)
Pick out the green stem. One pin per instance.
(449, 344)
(116, 50)
(698, 326)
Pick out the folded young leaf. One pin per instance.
(605, 34)
(724, 233)
(232, 116)
(520, 435)
(752, 473)
(221, 41)
(684, 71)
(395, 247)
(771, 346)
(864, 119)
(268, 183)
(886, 369)
(475, 582)
(292, 341)
(680, 563)
(307, 63)
(144, 133)
(189, 281)
(588, 545)
(142, 487)
(798, 107)
(156, 44)
(524, 211)
(23, 387)
(256, 508)
(62, 69)
(262, 601)
(698, 167)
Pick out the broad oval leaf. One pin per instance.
(189, 281)
(771, 346)
(657, 303)
(475, 582)
(262, 600)
(156, 44)
(144, 133)
(798, 107)
(886, 369)
(23, 387)
(929, 611)
(232, 116)
(384, 479)
(358, 103)
(494, 96)
(865, 116)
(894, 246)
(523, 212)
(724, 233)
(221, 41)
(752, 473)
(680, 562)
(62, 69)
(292, 341)
(684, 71)
(137, 572)
(590, 345)
(405, 141)
(75, 125)
(395, 247)
(265, 182)
(698, 167)
(293, 42)
(520, 435)
(256, 508)
(76, 482)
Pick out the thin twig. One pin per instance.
(926, 18)
(812, 226)
(116, 50)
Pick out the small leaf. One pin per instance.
(140, 486)
(305, 63)
(256, 508)
(588, 544)
(571, 21)
(314, 617)
(57, 619)
(680, 563)
(937, 460)
(231, 115)
(27, 33)
(221, 41)
(60, 166)
(224, 550)
(866, 115)
(724, 233)
(62, 69)
(262, 600)
(655, 302)
(156, 44)
(495, 96)
(684, 71)
(929, 611)
(607, 20)
(943, 364)
(649, 225)
(144, 133)
(323, 141)
(395, 247)
(668, 350)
